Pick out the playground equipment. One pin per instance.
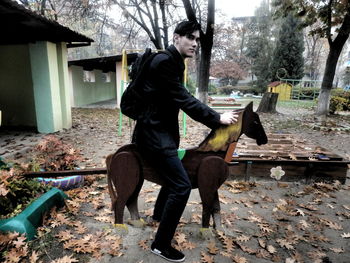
(206, 166)
(125, 81)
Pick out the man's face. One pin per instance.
(187, 45)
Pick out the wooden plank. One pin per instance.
(283, 154)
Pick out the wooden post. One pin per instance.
(230, 151)
(268, 103)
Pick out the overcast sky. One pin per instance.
(237, 8)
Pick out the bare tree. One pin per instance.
(206, 41)
(152, 16)
(315, 47)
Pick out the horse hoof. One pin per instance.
(121, 229)
(139, 223)
(206, 233)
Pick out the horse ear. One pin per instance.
(249, 106)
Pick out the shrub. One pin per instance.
(227, 90)
(305, 93)
(340, 101)
(16, 192)
(338, 104)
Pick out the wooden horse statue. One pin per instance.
(206, 166)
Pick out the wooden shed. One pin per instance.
(283, 89)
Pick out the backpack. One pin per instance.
(132, 103)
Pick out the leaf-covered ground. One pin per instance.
(263, 221)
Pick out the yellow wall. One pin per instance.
(284, 90)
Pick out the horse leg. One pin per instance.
(216, 211)
(124, 177)
(133, 207)
(212, 172)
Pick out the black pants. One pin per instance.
(172, 197)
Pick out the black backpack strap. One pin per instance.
(144, 64)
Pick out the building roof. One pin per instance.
(22, 26)
(276, 83)
(105, 64)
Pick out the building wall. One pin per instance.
(16, 86)
(91, 92)
(46, 86)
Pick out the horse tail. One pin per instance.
(111, 186)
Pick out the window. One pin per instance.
(106, 77)
(89, 76)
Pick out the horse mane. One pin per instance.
(219, 139)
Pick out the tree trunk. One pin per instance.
(327, 82)
(206, 40)
(204, 66)
(268, 103)
(335, 48)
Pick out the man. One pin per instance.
(157, 132)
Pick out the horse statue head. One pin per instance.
(248, 123)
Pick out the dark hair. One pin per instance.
(187, 27)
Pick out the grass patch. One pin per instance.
(297, 104)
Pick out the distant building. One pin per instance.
(96, 79)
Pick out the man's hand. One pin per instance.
(228, 117)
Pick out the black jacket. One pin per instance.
(157, 130)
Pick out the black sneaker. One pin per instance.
(169, 253)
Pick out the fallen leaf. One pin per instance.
(205, 258)
(337, 250)
(238, 259)
(300, 212)
(262, 253)
(330, 206)
(243, 238)
(345, 235)
(188, 245)
(271, 249)
(143, 244)
(290, 260)
(346, 207)
(304, 224)
(292, 156)
(212, 249)
(65, 259)
(285, 243)
(332, 224)
(180, 238)
(262, 243)
(64, 235)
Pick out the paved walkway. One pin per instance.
(16, 142)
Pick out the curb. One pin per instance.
(31, 217)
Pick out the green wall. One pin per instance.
(46, 86)
(90, 92)
(16, 86)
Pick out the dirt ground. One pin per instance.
(263, 221)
